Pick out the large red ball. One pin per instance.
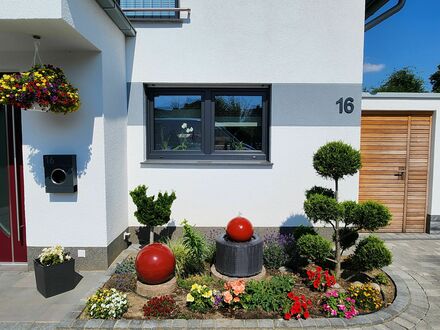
(155, 264)
(240, 229)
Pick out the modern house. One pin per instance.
(222, 101)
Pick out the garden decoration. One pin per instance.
(155, 265)
(54, 271)
(152, 211)
(239, 252)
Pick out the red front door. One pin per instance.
(12, 226)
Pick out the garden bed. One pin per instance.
(300, 287)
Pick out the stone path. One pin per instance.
(416, 271)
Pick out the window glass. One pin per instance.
(238, 122)
(177, 122)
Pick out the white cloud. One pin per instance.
(371, 67)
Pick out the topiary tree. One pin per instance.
(314, 247)
(152, 212)
(371, 253)
(335, 160)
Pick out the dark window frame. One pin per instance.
(151, 16)
(207, 151)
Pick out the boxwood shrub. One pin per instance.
(314, 247)
(371, 253)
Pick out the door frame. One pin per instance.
(16, 185)
(430, 152)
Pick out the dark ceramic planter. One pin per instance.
(239, 259)
(56, 279)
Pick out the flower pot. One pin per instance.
(38, 108)
(55, 279)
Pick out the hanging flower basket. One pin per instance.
(42, 88)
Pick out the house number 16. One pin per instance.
(346, 105)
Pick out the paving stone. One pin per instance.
(122, 324)
(79, 324)
(180, 324)
(7, 325)
(337, 323)
(23, 325)
(108, 324)
(208, 324)
(287, 324)
(266, 324)
(44, 326)
(93, 324)
(149, 324)
(252, 324)
(322, 322)
(164, 324)
(136, 324)
(394, 326)
(194, 324)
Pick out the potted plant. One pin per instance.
(151, 211)
(54, 271)
(43, 88)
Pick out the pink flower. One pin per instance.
(342, 307)
(334, 312)
(227, 297)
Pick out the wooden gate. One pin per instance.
(395, 150)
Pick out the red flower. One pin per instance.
(306, 314)
(287, 316)
(290, 295)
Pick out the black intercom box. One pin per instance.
(60, 173)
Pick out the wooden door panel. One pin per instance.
(392, 144)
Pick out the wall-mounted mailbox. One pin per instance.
(60, 173)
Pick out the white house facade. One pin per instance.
(222, 101)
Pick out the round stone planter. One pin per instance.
(239, 259)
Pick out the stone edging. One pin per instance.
(388, 314)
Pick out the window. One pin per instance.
(132, 4)
(207, 123)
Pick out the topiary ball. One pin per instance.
(155, 264)
(240, 229)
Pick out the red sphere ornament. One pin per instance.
(155, 264)
(240, 229)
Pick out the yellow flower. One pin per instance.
(195, 286)
(189, 297)
(207, 294)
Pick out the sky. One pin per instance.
(409, 38)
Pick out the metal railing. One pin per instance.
(160, 10)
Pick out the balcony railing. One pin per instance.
(153, 9)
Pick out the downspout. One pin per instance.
(382, 17)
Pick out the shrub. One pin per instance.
(381, 278)
(122, 282)
(314, 247)
(373, 216)
(335, 160)
(366, 297)
(303, 230)
(201, 298)
(160, 307)
(209, 281)
(150, 211)
(127, 266)
(278, 250)
(347, 237)
(320, 279)
(107, 304)
(338, 304)
(182, 256)
(269, 295)
(371, 253)
(53, 256)
(320, 190)
(300, 307)
(197, 247)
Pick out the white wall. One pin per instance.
(311, 53)
(97, 214)
(415, 102)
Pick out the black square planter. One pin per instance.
(55, 279)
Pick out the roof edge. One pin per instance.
(112, 9)
(401, 96)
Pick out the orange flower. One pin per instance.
(236, 299)
(227, 297)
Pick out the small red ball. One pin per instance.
(240, 229)
(155, 264)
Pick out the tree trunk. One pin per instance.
(337, 242)
(151, 234)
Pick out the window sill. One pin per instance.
(158, 20)
(207, 163)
